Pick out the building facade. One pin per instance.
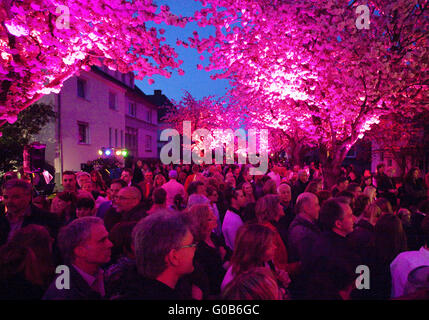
(98, 109)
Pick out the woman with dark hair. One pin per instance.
(64, 206)
(98, 183)
(390, 240)
(26, 264)
(414, 191)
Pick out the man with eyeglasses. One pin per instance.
(164, 249)
(112, 192)
(128, 208)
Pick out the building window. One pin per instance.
(112, 100)
(149, 115)
(110, 137)
(131, 138)
(83, 132)
(81, 88)
(116, 138)
(148, 143)
(132, 109)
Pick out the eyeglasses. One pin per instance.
(192, 245)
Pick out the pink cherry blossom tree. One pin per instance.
(45, 42)
(314, 65)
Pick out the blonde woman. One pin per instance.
(370, 192)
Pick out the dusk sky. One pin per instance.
(197, 82)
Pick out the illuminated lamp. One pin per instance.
(108, 152)
(124, 153)
(118, 152)
(100, 152)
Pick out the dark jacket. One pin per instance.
(112, 217)
(79, 289)
(362, 239)
(142, 288)
(284, 222)
(36, 216)
(297, 189)
(302, 235)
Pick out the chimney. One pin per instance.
(157, 92)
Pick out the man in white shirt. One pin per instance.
(232, 221)
(173, 188)
(407, 261)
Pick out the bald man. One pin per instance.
(128, 208)
(304, 229)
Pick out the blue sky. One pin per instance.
(197, 82)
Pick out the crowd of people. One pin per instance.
(209, 232)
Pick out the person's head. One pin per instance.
(323, 196)
(115, 186)
(128, 198)
(172, 174)
(390, 238)
(197, 187)
(235, 198)
(418, 281)
(212, 193)
(202, 221)
(247, 189)
(85, 241)
(83, 177)
(347, 195)
(159, 181)
(42, 202)
(127, 175)
(314, 186)
(370, 192)
(17, 196)
(268, 209)
(361, 203)
(88, 187)
(372, 213)
(120, 236)
(405, 215)
(163, 244)
(342, 183)
(269, 187)
(254, 284)
(285, 193)
(412, 175)
(28, 252)
(96, 176)
(148, 177)
(337, 216)
(85, 207)
(69, 181)
(303, 176)
(307, 205)
(197, 199)
(367, 181)
(385, 206)
(159, 196)
(380, 168)
(254, 246)
(355, 189)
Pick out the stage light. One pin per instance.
(124, 153)
(108, 152)
(100, 152)
(118, 152)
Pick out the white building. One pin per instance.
(100, 108)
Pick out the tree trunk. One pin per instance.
(331, 161)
